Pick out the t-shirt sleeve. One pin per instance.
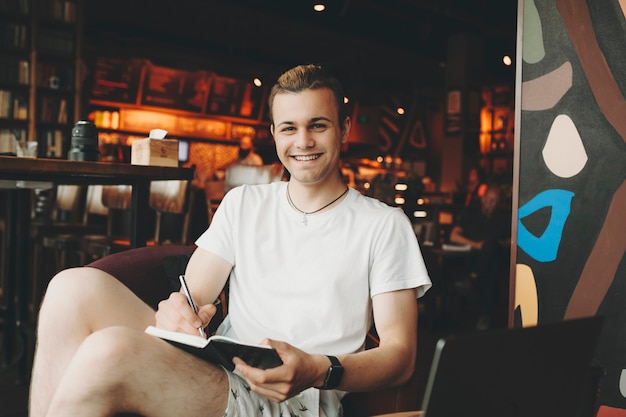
(397, 261)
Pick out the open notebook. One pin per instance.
(526, 372)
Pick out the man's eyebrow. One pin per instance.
(320, 118)
(286, 122)
(312, 120)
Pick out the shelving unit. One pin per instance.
(132, 96)
(40, 73)
(15, 72)
(497, 123)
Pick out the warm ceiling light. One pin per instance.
(507, 60)
(400, 110)
(257, 81)
(346, 100)
(319, 7)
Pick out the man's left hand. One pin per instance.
(298, 372)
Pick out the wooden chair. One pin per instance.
(151, 273)
(58, 233)
(171, 197)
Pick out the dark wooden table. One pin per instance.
(447, 268)
(21, 175)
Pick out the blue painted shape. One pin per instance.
(544, 248)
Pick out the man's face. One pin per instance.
(308, 134)
(473, 176)
(490, 201)
(246, 143)
(245, 147)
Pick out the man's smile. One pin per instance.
(306, 157)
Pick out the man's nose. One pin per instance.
(304, 140)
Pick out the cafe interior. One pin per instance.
(162, 94)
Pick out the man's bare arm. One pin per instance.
(206, 275)
(390, 364)
(456, 236)
(393, 361)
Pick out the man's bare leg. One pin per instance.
(78, 302)
(121, 369)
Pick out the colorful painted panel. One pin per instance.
(572, 170)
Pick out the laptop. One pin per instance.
(523, 372)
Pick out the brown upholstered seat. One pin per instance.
(142, 271)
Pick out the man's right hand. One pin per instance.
(175, 314)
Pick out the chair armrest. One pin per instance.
(142, 271)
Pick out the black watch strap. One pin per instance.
(334, 374)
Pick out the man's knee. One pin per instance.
(75, 285)
(68, 280)
(108, 353)
(60, 295)
(73, 305)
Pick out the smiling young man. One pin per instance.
(310, 264)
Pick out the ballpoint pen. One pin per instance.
(185, 288)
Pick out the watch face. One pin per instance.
(335, 372)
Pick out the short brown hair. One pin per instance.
(308, 77)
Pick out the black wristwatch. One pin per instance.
(333, 375)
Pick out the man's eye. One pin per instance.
(318, 126)
(287, 129)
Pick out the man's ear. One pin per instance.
(345, 131)
(272, 129)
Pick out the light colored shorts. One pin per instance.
(242, 402)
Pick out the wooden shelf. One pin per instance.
(131, 97)
(41, 73)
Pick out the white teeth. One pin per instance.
(306, 157)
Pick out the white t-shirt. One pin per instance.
(311, 285)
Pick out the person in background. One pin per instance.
(311, 265)
(475, 187)
(247, 155)
(487, 230)
(234, 170)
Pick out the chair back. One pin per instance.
(117, 197)
(237, 174)
(93, 202)
(169, 196)
(67, 201)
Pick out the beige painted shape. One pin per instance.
(564, 153)
(526, 295)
